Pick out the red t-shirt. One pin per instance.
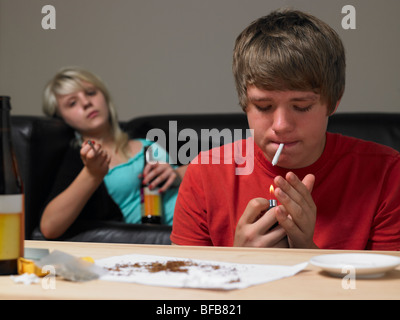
(356, 191)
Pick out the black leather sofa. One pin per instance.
(40, 144)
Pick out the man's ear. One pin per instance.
(336, 107)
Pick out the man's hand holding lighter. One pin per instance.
(296, 215)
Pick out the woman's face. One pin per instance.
(85, 110)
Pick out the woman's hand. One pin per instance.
(161, 175)
(63, 210)
(95, 159)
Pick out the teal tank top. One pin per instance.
(123, 185)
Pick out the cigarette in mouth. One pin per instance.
(277, 154)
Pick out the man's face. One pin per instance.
(296, 118)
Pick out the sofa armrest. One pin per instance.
(40, 144)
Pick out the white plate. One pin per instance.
(365, 265)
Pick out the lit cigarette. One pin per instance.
(90, 143)
(277, 154)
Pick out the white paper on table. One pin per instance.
(199, 274)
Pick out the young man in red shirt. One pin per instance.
(333, 191)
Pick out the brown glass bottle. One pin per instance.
(151, 201)
(11, 197)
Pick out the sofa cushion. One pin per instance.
(383, 128)
(203, 130)
(113, 232)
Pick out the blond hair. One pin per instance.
(290, 50)
(70, 80)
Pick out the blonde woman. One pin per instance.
(102, 176)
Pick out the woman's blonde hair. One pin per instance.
(290, 50)
(70, 80)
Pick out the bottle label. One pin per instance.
(11, 226)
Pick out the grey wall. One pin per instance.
(174, 56)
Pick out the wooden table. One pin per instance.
(312, 283)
